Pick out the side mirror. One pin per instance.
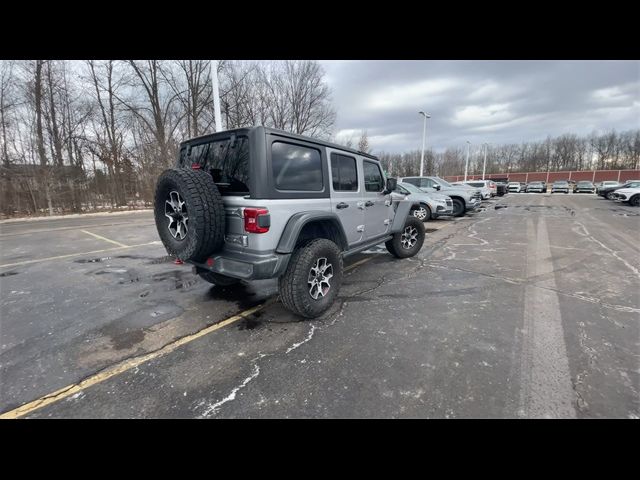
(438, 187)
(392, 183)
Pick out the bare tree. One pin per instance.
(363, 143)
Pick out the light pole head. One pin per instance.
(425, 114)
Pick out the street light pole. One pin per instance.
(216, 95)
(484, 164)
(424, 136)
(466, 164)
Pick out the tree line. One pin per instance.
(84, 135)
(81, 135)
(606, 151)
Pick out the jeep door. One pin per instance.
(377, 205)
(346, 195)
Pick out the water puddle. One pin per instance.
(92, 260)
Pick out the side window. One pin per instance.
(426, 183)
(412, 181)
(372, 177)
(343, 173)
(296, 167)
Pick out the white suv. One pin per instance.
(514, 187)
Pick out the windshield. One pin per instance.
(410, 187)
(560, 183)
(442, 182)
(584, 183)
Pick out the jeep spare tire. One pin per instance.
(189, 214)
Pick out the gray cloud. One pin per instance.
(481, 101)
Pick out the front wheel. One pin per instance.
(313, 277)
(458, 207)
(635, 201)
(423, 213)
(609, 196)
(409, 241)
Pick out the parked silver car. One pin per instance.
(464, 198)
(560, 186)
(426, 205)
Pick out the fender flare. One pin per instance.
(297, 222)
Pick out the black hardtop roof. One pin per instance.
(275, 131)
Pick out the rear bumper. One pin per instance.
(245, 266)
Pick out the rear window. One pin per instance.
(476, 184)
(296, 167)
(226, 161)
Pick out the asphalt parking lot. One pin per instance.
(531, 310)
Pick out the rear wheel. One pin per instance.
(409, 241)
(609, 196)
(313, 277)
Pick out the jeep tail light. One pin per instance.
(256, 220)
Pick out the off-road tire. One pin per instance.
(395, 245)
(293, 284)
(218, 279)
(206, 216)
(458, 207)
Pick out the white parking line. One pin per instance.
(100, 237)
(59, 257)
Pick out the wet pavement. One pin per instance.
(526, 311)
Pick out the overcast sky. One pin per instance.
(481, 101)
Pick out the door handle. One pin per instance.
(369, 203)
(342, 205)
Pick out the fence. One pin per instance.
(592, 175)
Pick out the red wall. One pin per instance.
(597, 176)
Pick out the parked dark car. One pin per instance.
(584, 187)
(501, 186)
(501, 189)
(606, 192)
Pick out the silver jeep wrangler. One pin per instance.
(257, 203)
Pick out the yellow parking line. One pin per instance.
(26, 262)
(119, 368)
(100, 237)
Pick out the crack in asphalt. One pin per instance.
(214, 409)
(580, 377)
(613, 253)
(524, 282)
(122, 364)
